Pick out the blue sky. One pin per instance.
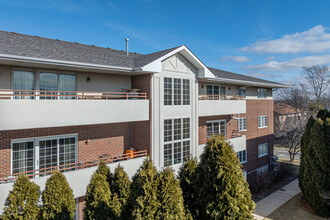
(270, 39)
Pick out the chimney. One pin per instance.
(127, 46)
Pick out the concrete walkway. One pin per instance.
(272, 202)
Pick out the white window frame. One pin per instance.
(172, 89)
(241, 120)
(213, 85)
(264, 150)
(35, 141)
(263, 121)
(238, 154)
(262, 93)
(215, 121)
(172, 142)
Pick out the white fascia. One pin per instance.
(156, 66)
(244, 82)
(24, 59)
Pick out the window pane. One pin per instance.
(186, 150)
(167, 91)
(23, 80)
(223, 128)
(186, 91)
(67, 83)
(167, 155)
(186, 128)
(222, 92)
(48, 82)
(167, 130)
(67, 152)
(23, 157)
(177, 152)
(209, 131)
(177, 129)
(216, 128)
(177, 91)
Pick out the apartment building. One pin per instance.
(66, 106)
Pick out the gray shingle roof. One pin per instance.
(39, 47)
(235, 76)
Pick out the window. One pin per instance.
(167, 91)
(176, 140)
(262, 150)
(242, 124)
(262, 121)
(216, 128)
(215, 92)
(186, 91)
(176, 91)
(241, 92)
(262, 93)
(41, 153)
(56, 82)
(23, 80)
(242, 156)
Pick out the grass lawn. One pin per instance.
(292, 210)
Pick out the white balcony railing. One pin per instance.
(210, 105)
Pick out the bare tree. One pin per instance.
(318, 79)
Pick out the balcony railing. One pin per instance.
(69, 95)
(72, 166)
(227, 137)
(220, 97)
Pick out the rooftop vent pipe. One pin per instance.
(127, 46)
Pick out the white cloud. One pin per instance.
(314, 40)
(266, 75)
(270, 58)
(238, 59)
(274, 66)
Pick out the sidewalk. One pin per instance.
(272, 202)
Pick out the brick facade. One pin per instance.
(94, 141)
(254, 135)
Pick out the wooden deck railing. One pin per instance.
(72, 166)
(42, 94)
(227, 137)
(220, 97)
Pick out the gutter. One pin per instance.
(244, 82)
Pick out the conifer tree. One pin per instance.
(99, 203)
(187, 176)
(57, 198)
(105, 170)
(224, 193)
(121, 185)
(316, 174)
(170, 197)
(142, 202)
(22, 201)
(304, 161)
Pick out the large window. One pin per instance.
(241, 92)
(41, 153)
(23, 80)
(242, 156)
(242, 124)
(176, 91)
(216, 92)
(176, 140)
(57, 82)
(262, 150)
(262, 93)
(216, 128)
(262, 121)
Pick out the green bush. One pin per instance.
(105, 170)
(170, 197)
(314, 174)
(22, 201)
(57, 198)
(142, 202)
(187, 176)
(223, 191)
(120, 186)
(99, 202)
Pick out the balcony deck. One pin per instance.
(210, 105)
(22, 109)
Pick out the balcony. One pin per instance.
(22, 109)
(210, 105)
(78, 174)
(238, 141)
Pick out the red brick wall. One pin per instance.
(81, 206)
(254, 136)
(93, 140)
